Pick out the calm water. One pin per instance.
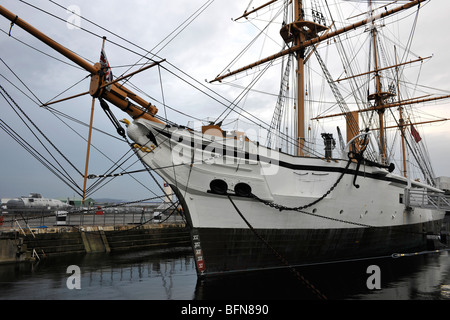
(170, 275)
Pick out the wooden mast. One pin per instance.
(303, 34)
(401, 121)
(298, 39)
(378, 96)
(318, 39)
(88, 151)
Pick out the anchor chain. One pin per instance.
(282, 207)
(301, 208)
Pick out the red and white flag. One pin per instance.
(105, 66)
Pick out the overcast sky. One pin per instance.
(203, 49)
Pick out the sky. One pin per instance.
(202, 49)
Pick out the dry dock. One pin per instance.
(37, 243)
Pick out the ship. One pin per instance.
(290, 201)
(34, 202)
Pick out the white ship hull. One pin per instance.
(344, 221)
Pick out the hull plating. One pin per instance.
(220, 251)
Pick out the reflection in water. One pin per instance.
(409, 278)
(170, 275)
(159, 274)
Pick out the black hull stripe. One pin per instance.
(237, 250)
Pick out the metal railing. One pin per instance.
(426, 199)
(116, 216)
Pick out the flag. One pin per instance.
(107, 69)
(415, 134)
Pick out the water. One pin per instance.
(159, 274)
(170, 275)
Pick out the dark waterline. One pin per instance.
(170, 275)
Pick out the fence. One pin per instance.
(113, 216)
(426, 199)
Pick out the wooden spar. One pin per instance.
(411, 124)
(364, 13)
(254, 10)
(117, 96)
(381, 69)
(321, 38)
(65, 99)
(47, 40)
(389, 105)
(131, 74)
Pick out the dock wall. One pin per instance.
(17, 246)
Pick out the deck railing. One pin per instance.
(426, 199)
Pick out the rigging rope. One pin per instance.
(58, 172)
(20, 80)
(45, 162)
(40, 51)
(55, 113)
(192, 17)
(243, 94)
(171, 65)
(15, 136)
(17, 109)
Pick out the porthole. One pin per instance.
(218, 186)
(243, 189)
